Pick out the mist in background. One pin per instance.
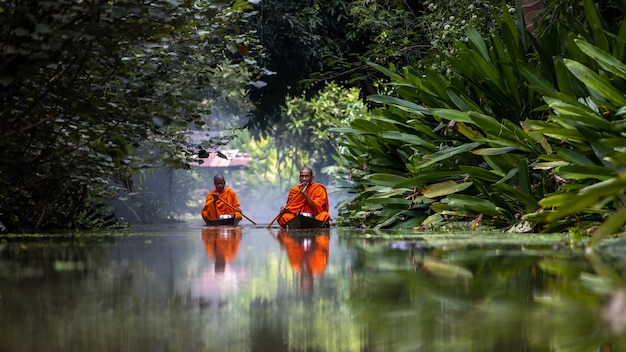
(250, 169)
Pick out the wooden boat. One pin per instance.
(222, 222)
(305, 222)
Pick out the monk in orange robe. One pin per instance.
(308, 198)
(217, 199)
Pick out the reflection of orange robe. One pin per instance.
(317, 192)
(308, 254)
(221, 243)
(212, 210)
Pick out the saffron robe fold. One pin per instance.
(213, 209)
(317, 192)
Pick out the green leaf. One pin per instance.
(473, 204)
(427, 177)
(389, 201)
(446, 154)
(411, 222)
(452, 115)
(595, 82)
(408, 138)
(581, 172)
(478, 43)
(384, 179)
(583, 115)
(461, 102)
(526, 198)
(558, 200)
(365, 126)
(480, 173)
(400, 103)
(613, 224)
(444, 188)
(605, 60)
(574, 157)
(345, 130)
(524, 176)
(595, 21)
(563, 79)
(536, 80)
(493, 151)
(386, 71)
(585, 199)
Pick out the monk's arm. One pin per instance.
(317, 199)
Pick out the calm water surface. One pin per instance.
(183, 287)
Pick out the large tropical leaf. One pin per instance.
(581, 172)
(473, 205)
(401, 103)
(605, 60)
(444, 188)
(596, 83)
(445, 154)
(428, 176)
(411, 139)
(384, 179)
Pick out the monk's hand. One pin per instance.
(215, 197)
(303, 186)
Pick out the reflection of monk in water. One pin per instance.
(221, 244)
(307, 253)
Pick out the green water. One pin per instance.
(181, 288)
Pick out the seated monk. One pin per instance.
(219, 201)
(307, 198)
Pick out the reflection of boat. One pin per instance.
(305, 222)
(231, 221)
(221, 244)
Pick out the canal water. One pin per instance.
(184, 287)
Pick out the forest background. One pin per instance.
(429, 113)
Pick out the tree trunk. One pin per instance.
(530, 9)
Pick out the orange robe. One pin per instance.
(212, 210)
(317, 192)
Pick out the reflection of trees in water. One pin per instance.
(504, 297)
(137, 293)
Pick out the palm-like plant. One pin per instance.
(518, 132)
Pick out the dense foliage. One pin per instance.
(495, 128)
(525, 128)
(94, 91)
(312, 43)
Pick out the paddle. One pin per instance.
(286, 205)
(235, 209)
